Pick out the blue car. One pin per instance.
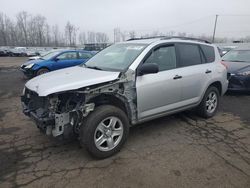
(55, 60)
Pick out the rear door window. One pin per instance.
(189, 54)
(67, 56)
(209, 53)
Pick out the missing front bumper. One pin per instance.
(55, 126)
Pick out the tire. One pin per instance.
(41, 71)
(207, 108)
(91, 133)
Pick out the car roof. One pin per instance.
(68, 50)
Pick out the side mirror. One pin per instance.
(149, 68)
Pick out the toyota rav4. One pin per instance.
(123, 85)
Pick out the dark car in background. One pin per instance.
(238, 65)
(55, 60)
(4, 51)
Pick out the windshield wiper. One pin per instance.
(233, 60)
(93, 67)
(239, 61)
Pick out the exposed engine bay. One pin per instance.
(64, 112)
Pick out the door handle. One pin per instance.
(208, 71)
(177, 77)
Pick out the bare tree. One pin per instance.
(123, 35)
(3, 30)
(82, 38)
(101, 37)
(30, 30)
(91, 37)
(117, 35)
(132, 34)
(22, 23)
(40, 28)
(182, 34)
(170, 33)
(11, 30)
(247, 39)
(55, 35)
(47, 35)
(70, 34)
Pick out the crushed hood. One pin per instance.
(69, 79)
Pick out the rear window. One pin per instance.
(209, 53)
(189, 54)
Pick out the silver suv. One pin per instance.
(123, 85)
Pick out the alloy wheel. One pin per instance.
(108, 133)
(211, 102)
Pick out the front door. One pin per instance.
(160, 92)
(67, 59)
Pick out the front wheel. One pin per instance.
(104, 131)
(210, 103)
(41, 71)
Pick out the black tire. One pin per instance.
(202, 108)
(89, 127)
(41, 71)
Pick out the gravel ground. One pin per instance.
(182, 150)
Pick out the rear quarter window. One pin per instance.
(209, 53)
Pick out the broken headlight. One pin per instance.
(29, 66)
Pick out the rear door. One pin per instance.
(160, 92)
(194, 71)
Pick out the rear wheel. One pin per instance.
(42, 71)
(210, 102)
(104, 131)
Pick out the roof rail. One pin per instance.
(171, 37)
(142, 38)
(185, 38)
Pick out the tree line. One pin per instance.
(33, 30)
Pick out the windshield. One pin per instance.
(237, 55)
(50, 55)
(117, 57)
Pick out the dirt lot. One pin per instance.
(176, 151)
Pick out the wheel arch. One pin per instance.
(218, 85)
(43, 67)
(115, 100)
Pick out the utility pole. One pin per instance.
(215, 24)
(114, 35)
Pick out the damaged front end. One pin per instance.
(56, 114)
(61, 113)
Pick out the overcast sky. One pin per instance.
(143, 16)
